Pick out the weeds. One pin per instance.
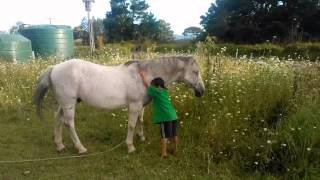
(259, 117)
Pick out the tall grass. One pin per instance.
(295, 51)
(259, 118)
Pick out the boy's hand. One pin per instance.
(142, 72)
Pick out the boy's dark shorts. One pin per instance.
(168, 129)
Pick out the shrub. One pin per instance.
(179, 47)
(297, 51)
(309, 51)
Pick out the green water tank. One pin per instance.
(15, 48)
(50, 40)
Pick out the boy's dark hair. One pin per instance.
(158, 82)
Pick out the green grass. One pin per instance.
(256, 121)
(99, 131)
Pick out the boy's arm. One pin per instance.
(143, 74)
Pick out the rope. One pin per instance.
(63, 157)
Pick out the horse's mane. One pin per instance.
(171, 60)
(130, 62)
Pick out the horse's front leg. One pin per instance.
(140, 126)
(134, 111)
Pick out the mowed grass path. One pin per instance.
(23, 136)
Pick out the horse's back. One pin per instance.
(98, 85)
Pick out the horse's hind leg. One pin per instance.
(134, 111)
(58, 130)
(140, 126)
(68, 115)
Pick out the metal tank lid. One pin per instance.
(13, 42)
(46, 28)
(12, 38)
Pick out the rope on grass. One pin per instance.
(63, 157)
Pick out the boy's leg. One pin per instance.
(164, 148)
(163, 140)
(174, 137)
(175, 145)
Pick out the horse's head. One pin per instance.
(192, 77)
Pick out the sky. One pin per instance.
(179, 13)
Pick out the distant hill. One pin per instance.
(182, 37)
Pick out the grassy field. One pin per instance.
(259, 119)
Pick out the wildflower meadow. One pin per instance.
(259, 119)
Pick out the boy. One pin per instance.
(164, 113)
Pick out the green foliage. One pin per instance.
(132, 22)
(138, 9)
(253, 116)
(299, 140)
(148, 27)
(164, 34)
(250, 21)
(84, 24)
(118, 22)
(298, 51)
(98, 27)
(303, 50)
(192, 31)
(178, 47)
(15, 28)
(238, 50)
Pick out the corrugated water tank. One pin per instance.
(15, 48)
(50, 40)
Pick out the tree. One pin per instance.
(15, 28)
(138, 9)
(192, 31)
(148, 27)
(138, 12)
(131, 21)
(81, 32)
(118, 23)
(98, 27)
(254, 21)
(155, 30)
(84, 24)
(165, 34)
(81, 35)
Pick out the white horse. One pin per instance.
(109, 87)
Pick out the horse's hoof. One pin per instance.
(131, 149)
(82, 151)
(142, 139)
(61, 148)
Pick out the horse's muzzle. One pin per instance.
(199, 92)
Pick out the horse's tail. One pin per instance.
(43, 86)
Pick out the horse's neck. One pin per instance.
(168, 74)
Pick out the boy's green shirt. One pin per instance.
(163, 109)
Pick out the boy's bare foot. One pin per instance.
(163, 148)
(164, 156)
(173, 152)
